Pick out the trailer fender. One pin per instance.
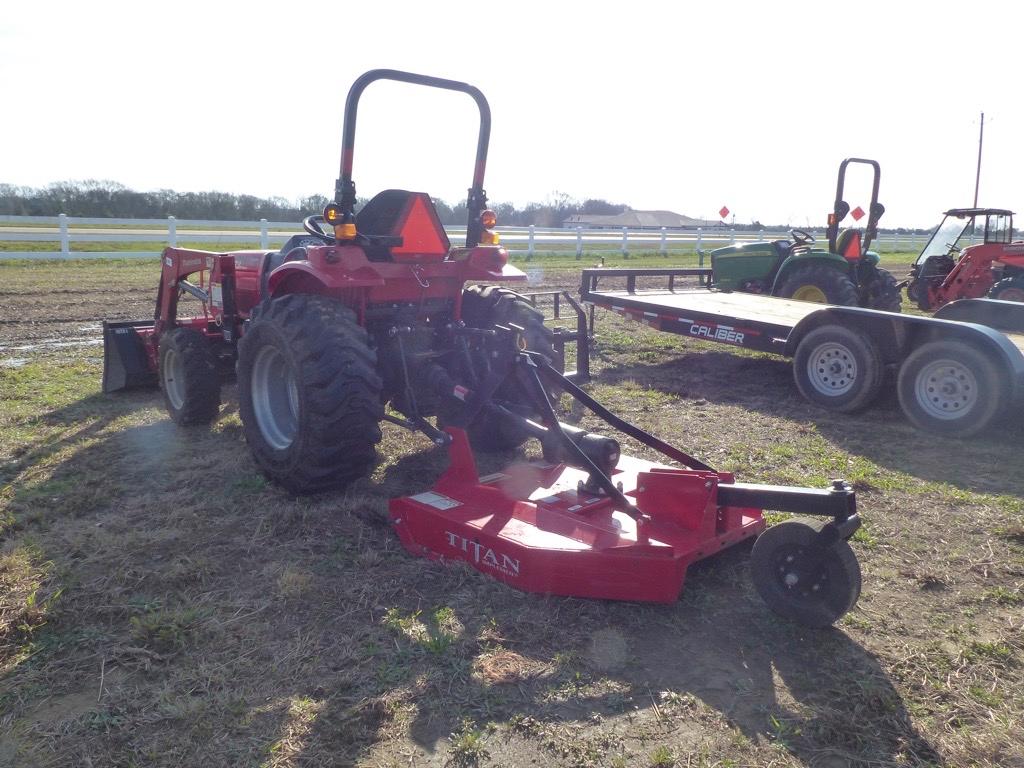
(888, 335)
(1005, 315)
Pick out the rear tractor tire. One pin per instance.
(800, 581)
(884, 292)
(838, 368)
(821, 284)
(1008, 289)
(950, 388)
(309, 394)
(189, 377)
(482, 307)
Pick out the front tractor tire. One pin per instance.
(189, 377)
(482, 307)
(838, 368)
(821, 284)
(1008, 289)
(309, 394)
(950, 388)
(801, 580)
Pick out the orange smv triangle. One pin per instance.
(853, 247)
(421, 231)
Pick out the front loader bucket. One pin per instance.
(125, 362)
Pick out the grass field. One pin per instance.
(161, 604)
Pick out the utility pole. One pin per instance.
(977, 176)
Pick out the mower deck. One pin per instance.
(530, 527)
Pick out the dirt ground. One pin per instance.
(161, 604)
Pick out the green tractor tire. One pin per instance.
(821, 284)
(884, 292)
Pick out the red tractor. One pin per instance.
(994, 268)
(366, 318)
(340, 321)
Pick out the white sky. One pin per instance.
(662, 105)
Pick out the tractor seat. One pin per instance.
(848, 243)
(402, 226)
(783, 248)
(294, 249)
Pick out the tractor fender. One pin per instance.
(303, 277)
(897, 335)
(813, 257)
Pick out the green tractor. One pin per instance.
(847, 273)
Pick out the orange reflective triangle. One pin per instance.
(421, 231)
(853, 247)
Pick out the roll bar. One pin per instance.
(345, 189)
(840, 208)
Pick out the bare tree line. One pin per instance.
(108, 199)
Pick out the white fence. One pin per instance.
(64, 230)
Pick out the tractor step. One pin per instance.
(531, 527)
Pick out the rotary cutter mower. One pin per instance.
(588, 521)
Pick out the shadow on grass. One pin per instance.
(468, 651)
(578, 682)
(212, 617)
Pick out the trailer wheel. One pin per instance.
(1008, 289)
(482, 307)
(838, 368)
(950, 388)
(189, 377)
(884, 292)
(821, 284)
(309, 393)
(800, 581)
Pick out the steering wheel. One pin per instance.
(801, 237)
(312, 225)
(952, 248)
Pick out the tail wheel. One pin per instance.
(1008, 289)
(950, 388)
(309, 394)
(487, 305)
(821, 284)
(799, 579)
(839, 368)
(189, 377)
(884, 292)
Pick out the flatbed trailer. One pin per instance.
(956, 372)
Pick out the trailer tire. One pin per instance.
(189, 377)
(950, 388)
(884, 292)
(815, 599)
(482, 307)
(1008, 289)
(309, 393)
(838, 368)
(820, 283)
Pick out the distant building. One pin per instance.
(639, 220)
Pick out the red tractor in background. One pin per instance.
(994, 268)
(366, 318)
